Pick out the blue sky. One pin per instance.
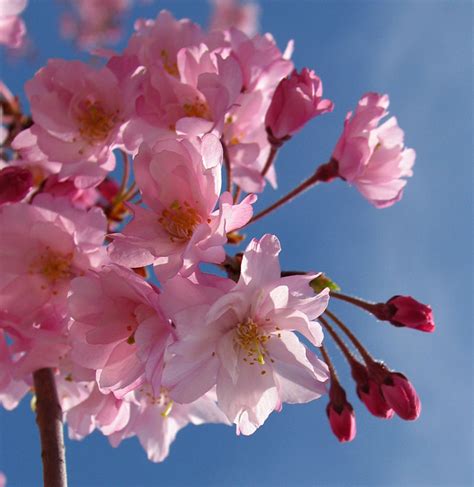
(418, 52)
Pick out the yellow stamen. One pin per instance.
(170, 67)
(249, 337)
(168, 408)
(180, 221)
(54, 267)
(197, 109)
(95, 123)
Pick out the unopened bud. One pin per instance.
(406, 311)
(400, 394)
(369, 392)
(340, 414)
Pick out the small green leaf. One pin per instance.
(321, 282)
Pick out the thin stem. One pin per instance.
(355, 301)
(288, 197)
(126, 172)
(134, 195)
(270, 159)
(130, 191)
(228, 165)
(344, 349)
(49, 421)
(237, 192)
(332, 370)
(362, 350)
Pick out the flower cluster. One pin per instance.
(103, 281)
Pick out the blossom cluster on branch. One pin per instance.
(101, 280)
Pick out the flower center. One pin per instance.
(95, 123)
(170, 67)
(54, 267)
(180, 221)
(249, 337)
(163, 401)
(198, 109)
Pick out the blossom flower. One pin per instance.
(244, 342)
(372, 157)
(180, 182)
(231, 13)
(263, 65)
(102, 411)
(12, 389)
(296, 100)
(43, 246)
(156, 419)
(94, 22)
(115, 314)
(247, 142)
(187, 88)
(12, 27)
(79, 113)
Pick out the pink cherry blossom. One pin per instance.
(12, 27)
(296, 100)
(247, 142)
(98, 411)
(263, 65)
(118, 330)
(156, 419)
(94, 22)
(231, 13)
(186, 88)
(180, 182)
(372, 157)
(12, 390)
(43, 246)
(79, 113)
(244, 342)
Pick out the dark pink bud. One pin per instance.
(369, 392)
(340, 414)
(401, 396)
(296, 100)
(406, 311)
(15, 182)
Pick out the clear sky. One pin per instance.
(419, 52)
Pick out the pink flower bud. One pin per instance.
(401, 396)
(406, 311)
(340, 414)
(369, 392)
(296, 100)
(15, 182)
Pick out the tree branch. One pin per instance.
(50, 425)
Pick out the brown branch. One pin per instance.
(49, 421)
